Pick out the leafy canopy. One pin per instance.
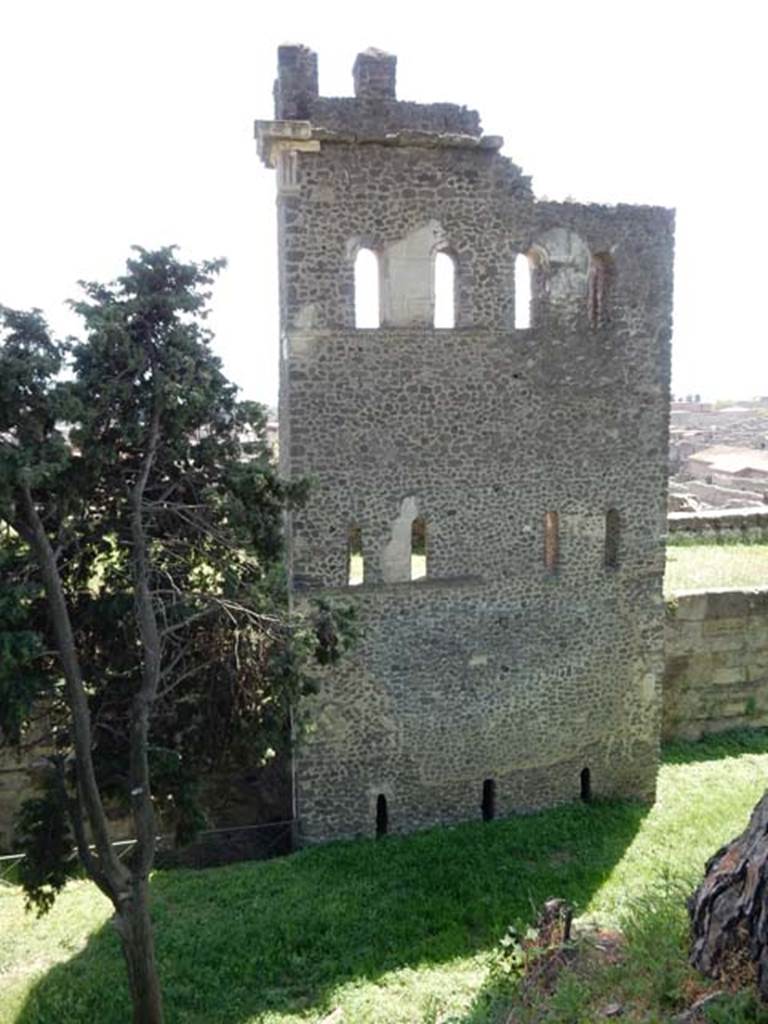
(142, 399)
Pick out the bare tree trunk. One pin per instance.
(134, 923)
(729, 910)
(128, 891)
(134, 926)
(151, 648)
(104, 868)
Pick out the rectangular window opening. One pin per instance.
(355, 560)
(525, 264)
(445, 289)
(418, 548)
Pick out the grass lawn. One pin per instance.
(404, 929)
(701, 566)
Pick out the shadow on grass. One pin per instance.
(715, 747)
(647, 973)
(281, 935)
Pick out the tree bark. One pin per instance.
(134, 927)
(729, 910)
(128, 890)
(151, 649)
(134, 923)
(105, 868)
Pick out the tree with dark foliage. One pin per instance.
(144, 628)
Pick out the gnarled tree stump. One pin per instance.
(729, 910)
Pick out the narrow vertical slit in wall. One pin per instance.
(551, 541)
(382, 815)
(586, 786)
(445, 290)
(612, 536)
(488, 806)
(355, 560)
(418, 548)
(598, 284)
(366, 289)
(523, 269)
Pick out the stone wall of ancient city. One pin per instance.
(715, 679)
(530, 657)
(716, 675)
(746, 525)
(17, 783)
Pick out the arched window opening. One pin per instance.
(445, 290)
(561, 261)
(586, 785)
(488, 806)
(551, 541)
(418, 548)
(598, 285)
(355, 560)
(382, 815)
(523, 291)
(612, 537)
(366, 289)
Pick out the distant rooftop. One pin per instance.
(727, 459)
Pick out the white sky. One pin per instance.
(132, 123)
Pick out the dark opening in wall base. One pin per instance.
(382, 815)
(586, 786)
(488, 806)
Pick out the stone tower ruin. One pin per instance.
(521, 450)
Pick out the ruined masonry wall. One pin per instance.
(494, 667)
(716, 675)
(747, 525)
(16, 785)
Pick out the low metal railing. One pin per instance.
(228, 849)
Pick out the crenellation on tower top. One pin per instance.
(373, 113)
(374, 74)
(296, 86)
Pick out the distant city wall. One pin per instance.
(748, 524)
(16, 785)
(716, 663)
(253, 795)
(715, 678)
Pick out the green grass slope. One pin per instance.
(394, 931)
(702, 566)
